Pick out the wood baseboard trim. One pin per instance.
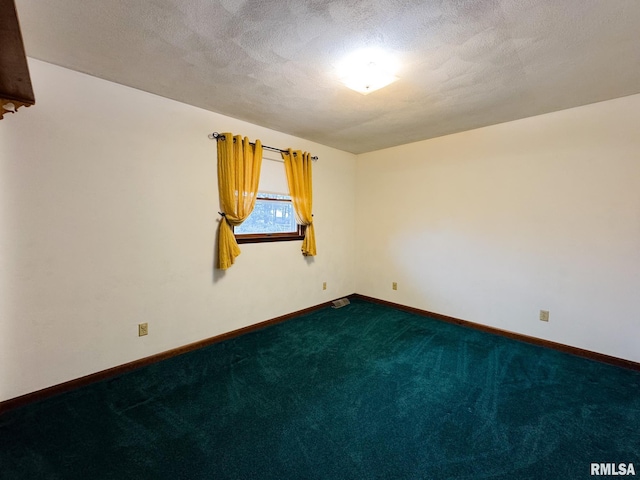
(599, 357)
(38, 395)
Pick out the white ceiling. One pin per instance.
(465, 64)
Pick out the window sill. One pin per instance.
(268, 237)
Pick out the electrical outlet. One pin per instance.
(324, 285)
(544, 315)
(394, 285)
(143, 329)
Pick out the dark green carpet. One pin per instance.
(362, 392)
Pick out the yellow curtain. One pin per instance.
(298, 167)
(239, 165)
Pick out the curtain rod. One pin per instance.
(216, 136)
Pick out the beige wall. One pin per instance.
(108, 201)
(495, 224)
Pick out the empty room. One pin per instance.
(318, 239)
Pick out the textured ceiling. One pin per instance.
(465, 64)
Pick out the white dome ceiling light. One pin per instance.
(368, 70)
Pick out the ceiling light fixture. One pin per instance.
(368, 70)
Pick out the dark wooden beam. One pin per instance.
(15, 81)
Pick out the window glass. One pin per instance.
(273, 213)
(273, 218)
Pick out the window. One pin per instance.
(273, 218)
